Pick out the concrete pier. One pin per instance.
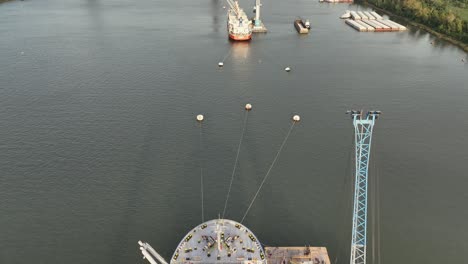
(259, 29)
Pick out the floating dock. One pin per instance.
(260, 28)
(297, 255)
(364, 21)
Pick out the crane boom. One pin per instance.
(363, 128)
(234, 6)
(231, 3)
(150, 254)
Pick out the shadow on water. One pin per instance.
(136, 184)
(215, 9)
(94, 9)
(415, 33)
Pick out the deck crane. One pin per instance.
(258, 25)
(234, 6)
(363, 127)
(150, 254)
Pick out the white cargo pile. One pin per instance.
(365, 21)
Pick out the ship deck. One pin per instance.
(297, 255)
(219, 241)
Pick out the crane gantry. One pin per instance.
(363, 128)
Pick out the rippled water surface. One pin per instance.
(100, 148)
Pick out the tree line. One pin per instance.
(437, 14)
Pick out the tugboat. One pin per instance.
(238, 24)
(302, 26)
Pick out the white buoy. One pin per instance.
(200, 118)
(22, 53)
(287, 69)
(296, 118)
(224, 7)
(220, 64)
(248, 107)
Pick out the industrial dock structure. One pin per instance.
(364, 21)
(224, 241)
(258, 26)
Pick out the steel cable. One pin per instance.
(269, 170)
(235, 163)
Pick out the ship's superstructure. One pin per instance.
(239, 26)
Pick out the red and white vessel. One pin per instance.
(239, 25)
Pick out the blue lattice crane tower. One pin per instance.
(363, 127)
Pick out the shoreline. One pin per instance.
(455, 42)
(3, 1)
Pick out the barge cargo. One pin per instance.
(365, 21)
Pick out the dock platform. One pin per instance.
(297, 255)
(259, 29)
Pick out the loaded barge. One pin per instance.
(302, 26)
(370, 22)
